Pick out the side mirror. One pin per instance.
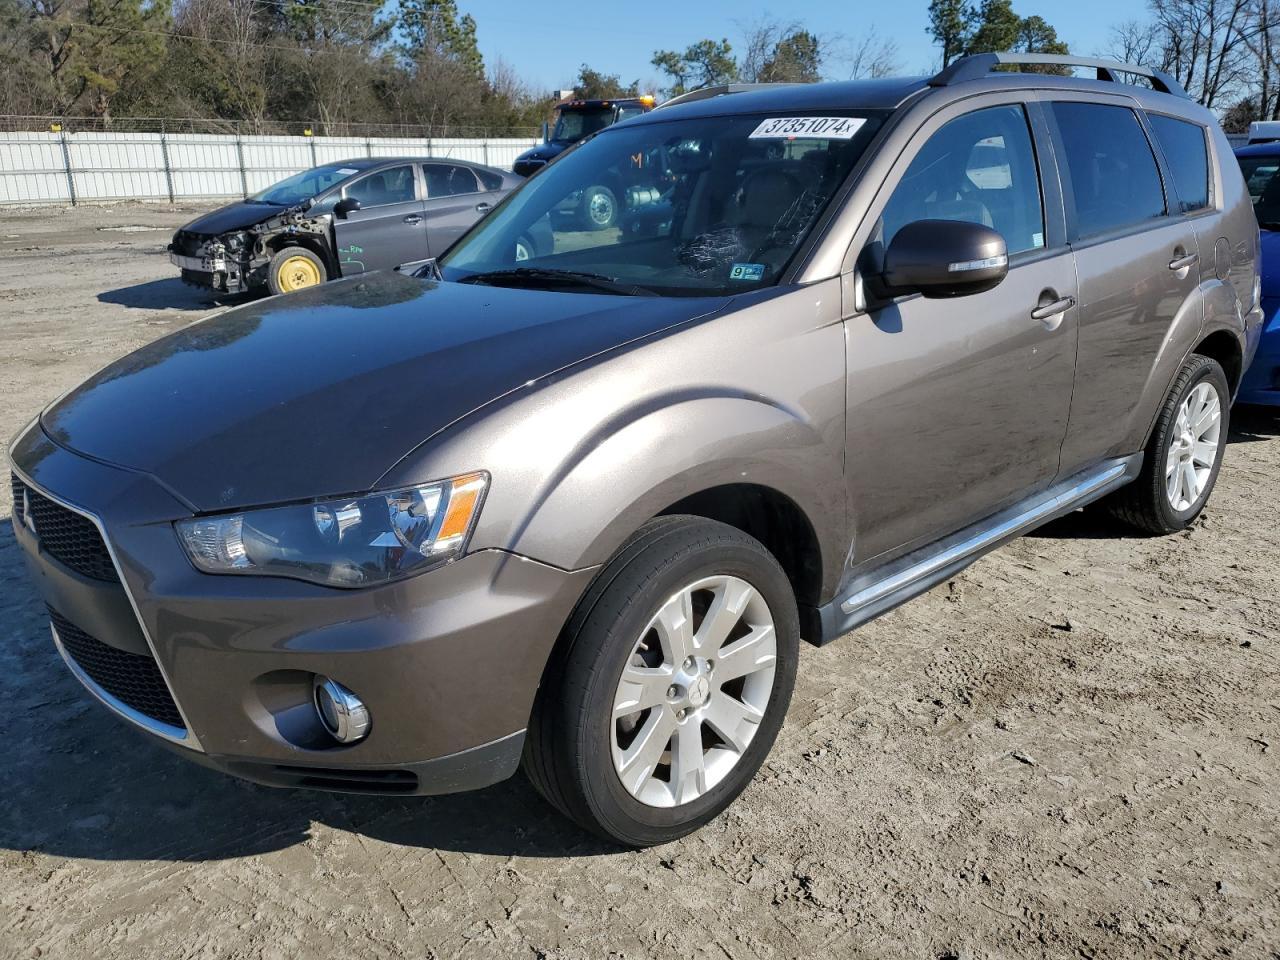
(944, 258)
(345, 206)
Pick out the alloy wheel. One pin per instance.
(693, 692)
(1193, 448)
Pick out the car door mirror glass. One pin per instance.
(944, 258)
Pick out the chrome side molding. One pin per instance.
(879, 591)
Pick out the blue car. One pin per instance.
(1260, 163)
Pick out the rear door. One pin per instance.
(958, 407)
(1138, 262)
(455, 200)
(390, 226)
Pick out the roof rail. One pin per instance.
(706, 93)
(980, 64)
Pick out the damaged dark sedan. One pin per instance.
(337, 220)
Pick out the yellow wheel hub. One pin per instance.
(296, 273)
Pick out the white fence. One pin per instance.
(89, 167)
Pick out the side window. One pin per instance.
(979, 168)
(1112, 172)
(1187, 152)
(393, 185)
(448, 180)
(489, 181)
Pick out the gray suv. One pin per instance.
(406, 533)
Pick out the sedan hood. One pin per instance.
(320, 392)
(234, 216)
(1270, 265)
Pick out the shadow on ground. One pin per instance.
(170, 294)
(1250, 424)
(83, 784)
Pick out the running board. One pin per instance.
(872, 594)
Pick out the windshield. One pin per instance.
(573, 125)
(307, 184)
(700, 207)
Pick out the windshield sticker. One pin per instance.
(747, 271)
(827, 128)
(347, 171)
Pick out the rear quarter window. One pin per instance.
(1114, 180)
(1187, 153)
(489, 180)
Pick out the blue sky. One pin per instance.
(546, 40)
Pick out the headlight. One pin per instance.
(351, 542)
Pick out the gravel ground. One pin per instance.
(1069, 750)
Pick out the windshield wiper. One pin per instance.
(1271, 225)
(544, 277)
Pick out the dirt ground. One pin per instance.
(1068, 751)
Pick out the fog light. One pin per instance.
(343, 714)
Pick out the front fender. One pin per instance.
(579, 460)
(661, 454)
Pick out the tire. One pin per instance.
(1149, 503)
(599, 209)
(574, 740)
(294, 268)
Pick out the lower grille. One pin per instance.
(132, 679)
(337, 779)
(69, 537)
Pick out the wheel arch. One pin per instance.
(780, 524)
(1223, 346)
(316, 245)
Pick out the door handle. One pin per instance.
(1053, 309)
(1181, 263)
(412, 219)
(483, 207)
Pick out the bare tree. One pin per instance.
(1134, 42)
(1204, 44)
(872, 57)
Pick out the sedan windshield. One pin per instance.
(307, 184)
(697, 207)
(1264, 188)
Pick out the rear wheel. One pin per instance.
(1180, 465)
(294, 268)
(670, 683)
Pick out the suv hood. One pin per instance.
(320, 392)
(234, 216)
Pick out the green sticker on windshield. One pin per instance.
(747, 271)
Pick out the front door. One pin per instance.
(1139, 267)
(958, 407)
(390, 226)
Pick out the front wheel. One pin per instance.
(294, 268)
(1180, 465)
(670, 683)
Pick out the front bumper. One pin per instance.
(448, 662)
(1261, 381)
(216, 273)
